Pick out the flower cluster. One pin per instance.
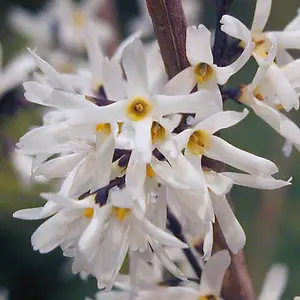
(130, 147)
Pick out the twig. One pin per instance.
(170, 29)
(222, 8)
(175, 227)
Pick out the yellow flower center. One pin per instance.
(208, 297)
(203, 72)
(120, 213)
(138, 109)
(103, 128)
(158, 133)
(279, 107)
(78, 18)
(88, 212)
(199, 141)
(149, 171)
(259, 96)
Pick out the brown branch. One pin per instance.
(170, 28)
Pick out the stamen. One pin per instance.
(158, 133)
(279, 107)
(78, 18)
(103, 128)
(203, 72)
(88, 212)
(149, 171)
(199, 141)
(138, 109)
(208, 297)
(120, 213)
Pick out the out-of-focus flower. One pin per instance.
(15, 72)
(62, 22)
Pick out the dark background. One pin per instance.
(270, 219)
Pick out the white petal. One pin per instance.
(237, 29)
(261, 15)
(187, 103)
(182, 83)
(157, 234)
(208, 242)
(166, 260)
(95, 55)
(113, 80)
(292, 73)
(29, 214)
(93, 232)
(221, 120)
(136, 174)
(59, 167)
(213, 273)
(51, 73)
(240, 159)
(257, 182)
(275, 283)
(104, 156)
(287, 39)
(168, 293)
(264, 64)
(121, 197)
(218, 183)
(134, 63)
(232, 230)
(198, 48)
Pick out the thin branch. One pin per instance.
(170, 28)
(222, 8)
(175, 227)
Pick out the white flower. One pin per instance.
(274, 283)
(203, 72)
(286, 39)
(209, 288)
(199, 141)
(117, 227)
(64, 19)
(15, 72)
(272, 90)
(65, 226)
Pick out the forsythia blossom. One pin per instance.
(139, 159)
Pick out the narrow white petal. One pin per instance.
(104, 156)
(166, 260)
(182, 84)
(221, 120)
(237, 29)
(134, 63)
(240, 159)
(159, 235)
(213, 273)
(187, 103)
(264, 64)
(198, 43)
(287, 39)
(93, 233)
(169, 293)
(232, 230)
(113, 80)
(261, 15)
(136, 174)
(29, 214)
(275, 283)
(51, 73)
(257, 182)
(218, 183)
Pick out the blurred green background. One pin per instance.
(270, 219)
